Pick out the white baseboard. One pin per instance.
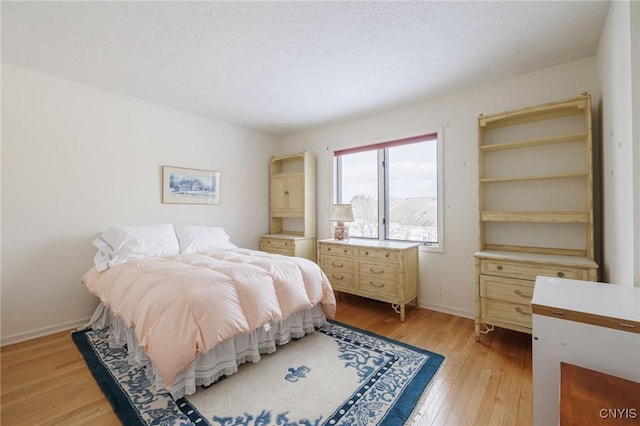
(448, 310)
(40, 332)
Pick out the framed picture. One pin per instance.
(190, 186)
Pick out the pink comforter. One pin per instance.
(186, 304)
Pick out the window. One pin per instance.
(395, 189)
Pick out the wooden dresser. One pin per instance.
(380, 270)
(506, 281)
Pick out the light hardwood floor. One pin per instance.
(46, 382)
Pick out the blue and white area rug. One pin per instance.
(339, 375)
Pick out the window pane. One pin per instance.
(358, 185)
(413, 192)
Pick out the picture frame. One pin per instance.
(190, 186)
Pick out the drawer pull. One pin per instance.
(286, 244)
(376, 285)
(328, 248)
(519, 293)
(386, 255)
(380, 272)
(560, 274)
(623, 324)
(520, 311)
(336, 277)
(345, 250)
(557, 312)
(337, 265)
(499, 267)
(366, 253)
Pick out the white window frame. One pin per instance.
(383, 189)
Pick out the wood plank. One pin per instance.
(594, 398)
(541, 250)
(496, 365)
(535, 177)
(46, 382)
(534, 113)
(587, 318)
(535, 216)
(581, 136)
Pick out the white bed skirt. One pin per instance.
(223, 359)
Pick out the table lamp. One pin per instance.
(341, 213)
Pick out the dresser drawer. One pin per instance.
(340, 279)
(277, 246)
(378, 254)
(277, 243)
(378, 278)
(336, 250)
(506, 312)
(529, 271)
(338, 270)
(378, 286)
(508, 289)
(283, 252)
(336, 264)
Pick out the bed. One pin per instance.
(191, 306)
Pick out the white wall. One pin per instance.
(620, 145)
(77, 159)
(635, 119)
(446, 279)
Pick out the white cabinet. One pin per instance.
(591, 325)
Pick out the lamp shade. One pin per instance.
(341, 213)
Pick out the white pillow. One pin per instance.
(201, 239)
(119, 244)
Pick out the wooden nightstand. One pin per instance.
(380, 270)
(289, 245)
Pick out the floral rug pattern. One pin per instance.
(358, 378)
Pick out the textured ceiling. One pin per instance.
(283, 67)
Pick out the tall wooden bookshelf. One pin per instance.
(535, 207)
(292, 206)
